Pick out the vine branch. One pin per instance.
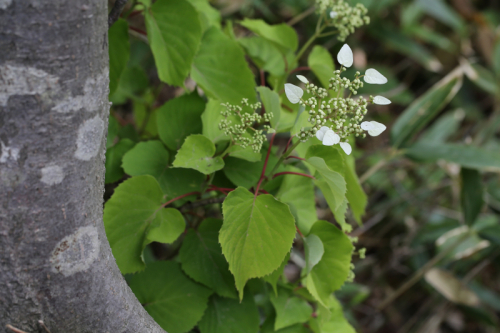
(115, 11)
(262, 175)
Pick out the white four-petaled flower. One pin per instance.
(345, 56)
(374, 128)
(329, 138)
(302, 78)
(373, 76)
(293, 93)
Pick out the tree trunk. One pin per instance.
(55, 261)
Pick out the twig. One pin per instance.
(178, 198)
(301, 16)
(299, 158)
(298, 69)
(13, 329)
(115, 11)
(293, 173)
(200, 203)
(262, 175)
(43, 325)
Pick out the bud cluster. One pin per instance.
(245, 132)
(344, 17)
(345, 114)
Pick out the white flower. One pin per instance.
(302, 78)
(293, 93)
(346, 147)
(380, 100)
(327, 136)
(345, 56)
(333, 14)
(372, 76)
(374, 128)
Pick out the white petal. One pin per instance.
(330, 138)
(333, 14)
(321, 133)
(302, 78)
(381, 100)
(293, 93)
(366, 125)
(346, 148)
(376, 129)
(372, 76)
(345, 56)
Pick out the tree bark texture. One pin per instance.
(55, 261)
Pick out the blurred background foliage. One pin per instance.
(432, 227)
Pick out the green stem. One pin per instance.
(283, 157)
(307, 44)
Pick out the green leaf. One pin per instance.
(256, 235)
(467, 156)
(331, 319)
(246, 154)
(298, 193)
(273, 278)
(339, 213)
(471, 194)
(174, 301)
(314, 250)
(145, 120)
(321, 63)
(167, 227)
(209, 16)
(332, 270)
(290, 309)
(202, 259)
(483, 78)
(354, 194)
(179, 118)
(425, 108)
(119, 51)
(133, 82)
(196, 153)
(264, 54)
(268, 326)
(221, 70)
(146, 158)
(174, 33)
(133, 211)
(334, 180)
(444, 127)
(245, 173)
(151, 158)
(271, 101)
(281, 35)
(114, 155)
(333, 158)
(225, 315)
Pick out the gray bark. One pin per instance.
(55, 261)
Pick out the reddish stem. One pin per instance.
(299, 158)
(134, 13)
(298, 69)
(293, 173)
(299, 232)
(262, 78)
(288, 144)
(262, 175)
(142, 32)
(264, 191)
(286, 107)
(178, 198)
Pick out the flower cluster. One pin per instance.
(336, 119)
(242, 132)
(344, 17)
